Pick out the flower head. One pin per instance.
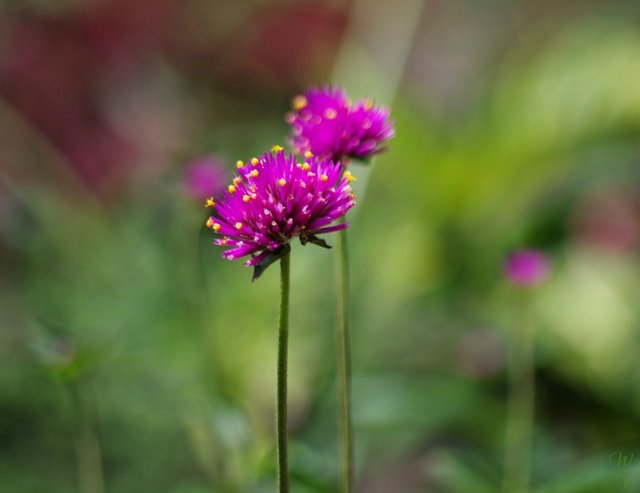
(325, 123)
(205, 177)
(275, 198)
(527, 267)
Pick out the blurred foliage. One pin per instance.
(111, 289)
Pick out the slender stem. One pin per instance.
(520, 404)
(281, 385)
(344, 361)
(89, 461)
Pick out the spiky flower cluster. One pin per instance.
(275, 198)
(326, 123)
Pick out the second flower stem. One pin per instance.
(89, 460)
(344, 361)
(521, 396)
(281, 384)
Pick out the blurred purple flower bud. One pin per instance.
(527, 267)
(205, 177)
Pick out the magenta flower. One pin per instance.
(273, 199)
(527, 267)
(205, 177)
(325, 123)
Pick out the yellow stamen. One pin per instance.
(239, 164)
(308, 154)
(298, 102)
(246, 198)
(324, 177)
(209, 223)
(237, 180)
(238, 225)
(282, 182)
(209, 202)
(368, 104)
(306, 166)
(330, 113)
(231, 188)
(349, 177)
(255, 172)
(255, 161)
(216, 227)
(277, 148)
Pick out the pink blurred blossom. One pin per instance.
(527, 267)
(205, 177)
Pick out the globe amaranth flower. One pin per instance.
(527, 267)
(325, 123)
(273, 199)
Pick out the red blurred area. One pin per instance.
(61, 72)
(53, 71)
(609, 218)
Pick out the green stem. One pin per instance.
(281, 385)
(344, 361)
(520, 404)
(89, 461)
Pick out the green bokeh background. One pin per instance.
(517, 126)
